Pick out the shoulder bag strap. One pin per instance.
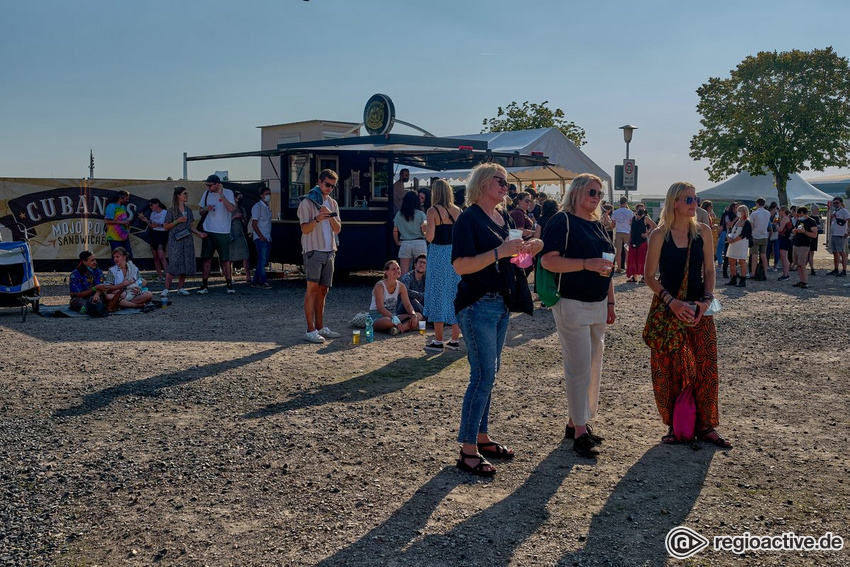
(566, 242)
(683, 289)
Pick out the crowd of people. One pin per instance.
(461, 265)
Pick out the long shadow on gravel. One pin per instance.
(489, 537)
(395, 376)
(656, 494)
(151, 386)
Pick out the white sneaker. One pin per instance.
(164, 293)
(230, 289)
(181, 291)
(328, 334)
(314, 337)
(202, 291)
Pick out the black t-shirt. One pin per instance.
(801, 239)
(587, 240)
(475, 233)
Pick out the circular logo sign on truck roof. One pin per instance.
(379, 115)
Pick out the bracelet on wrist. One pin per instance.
(611, 303)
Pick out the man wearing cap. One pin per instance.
(318, 214)
(839, 229)
(218, 202)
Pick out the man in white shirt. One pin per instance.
(219, 203)
(839, 229)
(622, 218)
(318, 214)
(261, 227)
(760, 221)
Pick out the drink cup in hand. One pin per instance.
(610, 257)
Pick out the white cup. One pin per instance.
(514, 234)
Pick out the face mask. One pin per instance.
(740, 215)
(267, 198)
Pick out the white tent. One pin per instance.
(566, 159)
(746, 187)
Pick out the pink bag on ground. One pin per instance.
(685, 416)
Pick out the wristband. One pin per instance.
(610, 303)
(496, 254)
(396, 320)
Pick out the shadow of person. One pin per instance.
(489, 537)
(151, 386)
(394, 376)
(655, 495)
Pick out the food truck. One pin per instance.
(367, 167)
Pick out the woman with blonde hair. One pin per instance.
(441, 281)
(574, 242)
(682, 252)
(490, 288)
(739, 246)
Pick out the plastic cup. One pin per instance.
(514, 234)
(610, 257)
(355, 338)
(421, 327)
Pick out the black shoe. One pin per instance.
(733, 281)
(570, 433)
(842, 274)
(742, 282)
(833, 272)
(812, 273)
(584, 446)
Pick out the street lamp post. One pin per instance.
(628, 130)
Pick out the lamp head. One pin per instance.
(628, 129)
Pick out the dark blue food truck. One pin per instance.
(366, 167)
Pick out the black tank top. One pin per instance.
(443, 231)
(671, 264)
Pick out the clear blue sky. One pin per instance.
(140, 83)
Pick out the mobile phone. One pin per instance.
(332, 214)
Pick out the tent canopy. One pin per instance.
(747, 187)
(566, 160)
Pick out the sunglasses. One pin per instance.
(502, 181)
(594, 192)
(689, 200)
(329, 185)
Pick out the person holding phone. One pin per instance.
(219, 203)
(682, 250)
(318, 214)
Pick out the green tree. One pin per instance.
(778, 113)
(533, 115)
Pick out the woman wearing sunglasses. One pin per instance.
(490, 288)
(574, 242)
(682, 251)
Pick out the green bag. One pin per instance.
(546, 284)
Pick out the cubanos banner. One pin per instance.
(62, 217)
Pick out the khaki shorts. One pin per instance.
(319, 267)
(412, 248)
(759, 246)
(215, 242)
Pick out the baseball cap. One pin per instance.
(213, 179)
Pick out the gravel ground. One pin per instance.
(210, 433)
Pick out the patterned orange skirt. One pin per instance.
(695, 364)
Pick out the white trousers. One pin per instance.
(581, 329)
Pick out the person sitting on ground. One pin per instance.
(86, 283)
(124, 279)
(386, 294)
(414, 281)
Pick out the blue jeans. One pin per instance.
(484, 325)
(263, 249)
(721, 243)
